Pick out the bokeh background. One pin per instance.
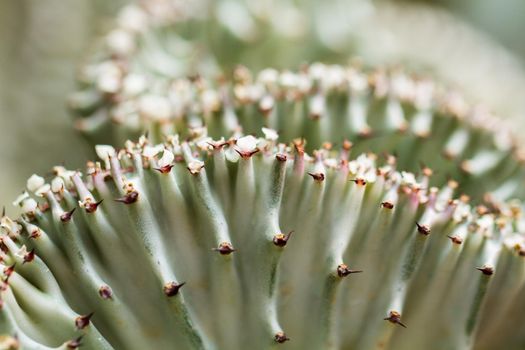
(476, 45)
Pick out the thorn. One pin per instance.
(35, 233)
(92, 207)
(246, 155)
(82, 322)
(281, 239)
(456, 239)
(3, 246)
(172, 288)
(487, 270)
(281, 157)
(75, 343)
(105, 292)
(319, 177)
(29, 256)
(165, 169)
(225, 248)
(387, 205)
(359, 182)
(280, 337)
(395, 317)
(8, 271)
(423, 229)
(129, 198)
(66, 217)
(3, 210)
(343, 270)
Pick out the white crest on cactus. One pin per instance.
(166, 159)
(270, 134)
(247, 144)
(35, 182)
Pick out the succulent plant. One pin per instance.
(213, 244)
(210, 233)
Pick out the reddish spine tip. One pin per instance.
(66, 217)
(82, 322)
(105, 292)
(455, 239)
(246, 155)
(8, 271)
(280, 337)
(29, 256)
(281, 157)
(129, 198)
(319, 177)
(486, 270)
(343, 270)
(165, 169)
(395, 318)
(281, 239)
(92, 207)
(35, 234)
(359, 182)
(172, 288)
(387, 205)
(75, 343)
(423, 229)
(225, 248)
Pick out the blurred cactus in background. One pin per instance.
(248, 197)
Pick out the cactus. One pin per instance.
(250, 243)
(253, 213)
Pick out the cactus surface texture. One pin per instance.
(328, 207)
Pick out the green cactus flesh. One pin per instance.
(256, 244)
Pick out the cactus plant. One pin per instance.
(222, 244)
(209, 233)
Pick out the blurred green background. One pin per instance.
(42, 42)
